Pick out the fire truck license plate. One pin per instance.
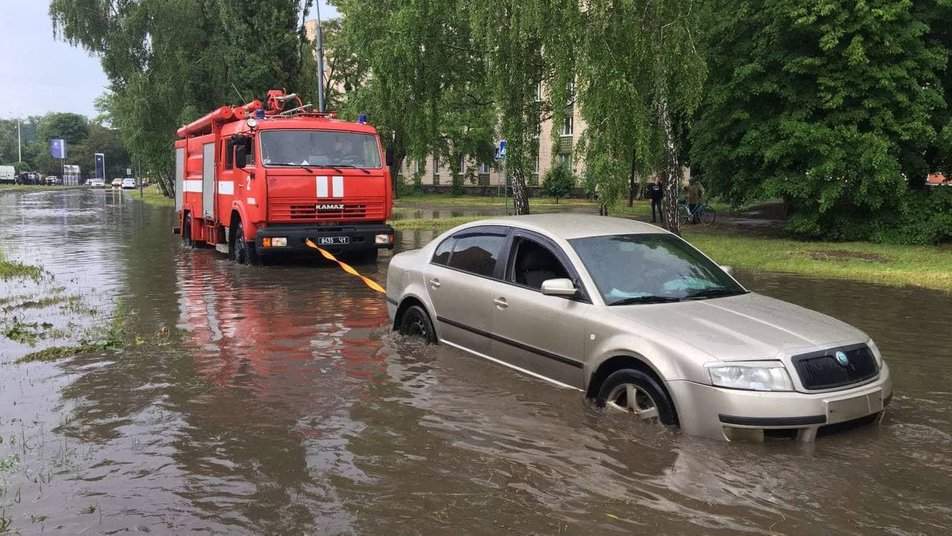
(333, 240)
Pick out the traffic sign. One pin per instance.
(501, 150)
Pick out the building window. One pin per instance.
(564, 159)
(436, 169)
(419, 166)
(485, 168)
(568, 123)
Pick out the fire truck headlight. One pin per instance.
(279, 241)
(252, 122)
(383, 238)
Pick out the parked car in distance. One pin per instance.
(117, 183)
(97, 182)
(128, 183)
(641, 322)
(52, 180)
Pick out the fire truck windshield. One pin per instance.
(319, 148)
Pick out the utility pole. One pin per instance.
(320, 60)
(19, 144)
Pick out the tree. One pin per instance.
(641, 74)
(558, 182)
(414, 68)
(824, 104)
(171, 61)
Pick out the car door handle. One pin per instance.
(501, 303)
(435, 283)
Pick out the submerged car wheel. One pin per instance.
(416, 323)
(636, 392)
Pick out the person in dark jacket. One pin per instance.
(656, 194)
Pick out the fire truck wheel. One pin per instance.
(416, 323)
(245, 252)
(187, 231)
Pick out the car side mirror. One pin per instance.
(389, 157)
(241, 156)
(728, 269)
(559, 287)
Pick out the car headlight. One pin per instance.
(751, 375)
(875, 349)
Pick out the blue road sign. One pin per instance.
(501, 150)
(58, 148)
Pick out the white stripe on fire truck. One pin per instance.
(338, 190)
(321, 185)
(192, 186)
(226, 187)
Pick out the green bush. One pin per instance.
(914, 217)
(558, 182)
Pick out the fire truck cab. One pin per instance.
(258, 180)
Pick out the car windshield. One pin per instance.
(651, 268)
(319, 148)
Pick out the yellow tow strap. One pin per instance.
(345, 267)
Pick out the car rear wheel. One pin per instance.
(187, 231)
(635, 392)
(415, 322)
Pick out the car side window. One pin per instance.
(477, 253)
(533, 263)
(442, 254)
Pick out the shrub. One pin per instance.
(558, 182)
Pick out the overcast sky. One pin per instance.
(40, 74)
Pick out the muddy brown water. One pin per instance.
(275, 401)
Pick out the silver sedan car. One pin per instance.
(641, 322)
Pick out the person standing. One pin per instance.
(695, 198)
(656, 194)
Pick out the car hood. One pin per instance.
(744, 327)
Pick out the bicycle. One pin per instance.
(702, 213)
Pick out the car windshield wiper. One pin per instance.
(288, 164)
(351, 167)
(645, 299)
(713, 293)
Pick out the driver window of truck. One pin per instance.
(230, 153)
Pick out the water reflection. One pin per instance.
(274, 400)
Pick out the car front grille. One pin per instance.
(822, 370)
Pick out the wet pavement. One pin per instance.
(274, 400)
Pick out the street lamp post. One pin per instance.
(320, 60)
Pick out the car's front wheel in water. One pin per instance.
(636, 392)
(415, 322)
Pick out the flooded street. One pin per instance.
(274, 400)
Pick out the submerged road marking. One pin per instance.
(346, 267)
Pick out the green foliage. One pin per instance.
(171, 61)
(413, 67)
(558, 182)
(640, 74)
(824, 104)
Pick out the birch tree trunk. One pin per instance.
(671, 172)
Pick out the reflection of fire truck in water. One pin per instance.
(288, 344)
(257, 179)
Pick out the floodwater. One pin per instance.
(275, 401)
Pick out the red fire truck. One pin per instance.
(260, 179)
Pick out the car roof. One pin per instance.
(568, 226)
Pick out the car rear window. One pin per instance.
(442, 254)
(477, 253)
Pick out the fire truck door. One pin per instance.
(208, 180)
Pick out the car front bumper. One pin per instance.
(360, 237)
(733, 414)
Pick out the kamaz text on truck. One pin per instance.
(257, 180)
